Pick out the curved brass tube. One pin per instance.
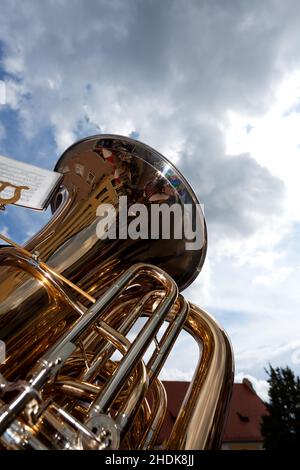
(200, 422)
(157, 416)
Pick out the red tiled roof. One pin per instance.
(245, 412)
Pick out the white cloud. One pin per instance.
(200, 290)
(276, 277)
(265, 354)
(260, 386)
(176, 374)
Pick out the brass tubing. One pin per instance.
(47, 268)
(71, 420)
(53, 286)
(93, 313)
(80, 388)
(200, 422)
(154, 366)
(104, 353)
(139, 346)
(157, 415)
(166, 343)
(113, 336)
(65, 345)
(131, 405)
(75, 388)
(137, 392)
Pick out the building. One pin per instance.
(242, 429)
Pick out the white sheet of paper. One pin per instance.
(40, 182)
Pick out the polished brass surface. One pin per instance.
(69, 300)
(200, 422)
(48, 269)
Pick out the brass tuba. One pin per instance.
(71, 298)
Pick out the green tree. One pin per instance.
(281, 427)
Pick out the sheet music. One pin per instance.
(37, 183)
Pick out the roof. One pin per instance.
(244, 417)
(245, 413)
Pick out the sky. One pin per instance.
(215, 87)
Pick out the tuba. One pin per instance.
(89, 320)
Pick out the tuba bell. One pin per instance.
(81, 312)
